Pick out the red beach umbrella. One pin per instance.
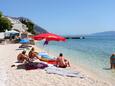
(49, 37)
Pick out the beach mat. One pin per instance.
(35, 65)
(62, 72)
(32, 66)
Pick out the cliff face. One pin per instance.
(17, 25)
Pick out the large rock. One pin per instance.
(17, 25)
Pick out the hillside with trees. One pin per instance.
(32, 27)
(5, 24)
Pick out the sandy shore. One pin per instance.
(11, 76)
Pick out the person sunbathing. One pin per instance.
(22, 57)
(32, 55)
(62, 62)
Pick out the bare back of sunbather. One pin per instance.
(62, 62)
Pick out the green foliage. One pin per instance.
(0, 14)
(5, 24)
(30, 26)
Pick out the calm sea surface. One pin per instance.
(92, 53)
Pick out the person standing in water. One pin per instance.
(112, 61)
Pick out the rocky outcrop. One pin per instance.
(17, 25)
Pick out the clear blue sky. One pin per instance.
(65, 16)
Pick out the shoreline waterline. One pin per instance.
(20, 77)
(87, 56)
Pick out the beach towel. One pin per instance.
(62, 72)
(35, 65)
(42, 53)
(46, 58)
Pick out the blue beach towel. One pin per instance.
(42, 53)
(45, 55)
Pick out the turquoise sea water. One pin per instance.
(92, 53)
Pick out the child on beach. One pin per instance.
(62, 62)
